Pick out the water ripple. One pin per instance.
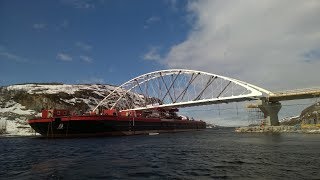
(209, 154)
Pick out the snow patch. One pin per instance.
(15, 115)
(288, 118)
(13, 127)
(54, 89)
(16, 108)
(314, 131)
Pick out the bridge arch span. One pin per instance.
(180, 88)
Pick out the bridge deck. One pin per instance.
(294, 94)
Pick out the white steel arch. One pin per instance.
(180, 88)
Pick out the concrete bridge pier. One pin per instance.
(270, 110)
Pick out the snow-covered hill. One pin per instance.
(18, 103)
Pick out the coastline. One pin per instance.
(308, 129)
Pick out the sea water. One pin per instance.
(217, 153)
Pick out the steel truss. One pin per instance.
(180, 88)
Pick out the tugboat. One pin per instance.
(110, 122)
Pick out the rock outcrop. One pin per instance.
(18, 103)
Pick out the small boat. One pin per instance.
(152, 134)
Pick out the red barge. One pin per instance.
(63, 123)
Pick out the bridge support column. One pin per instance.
(270, 110)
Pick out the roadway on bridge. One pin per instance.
(294, 94)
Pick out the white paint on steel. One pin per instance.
(250, 91)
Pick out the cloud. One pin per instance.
(152, 54)
(39, 26)
(172, 5)
(111, 70)
(262, 42)
(86, 59)
(13, 57)
(10, 56)
(2, 48)
(64, 57)
(83, 46)
(63, 25)
(92, 80)
(151, 20)
(312, 56)
(80, 4)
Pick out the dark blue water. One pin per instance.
(208, 154)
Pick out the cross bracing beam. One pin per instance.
(181, 88)
(186, 88)
(210, 81)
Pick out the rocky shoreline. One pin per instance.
(309, 129)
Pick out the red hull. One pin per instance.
(106, 125)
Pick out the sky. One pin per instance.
(270, 43)
(83, 41)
